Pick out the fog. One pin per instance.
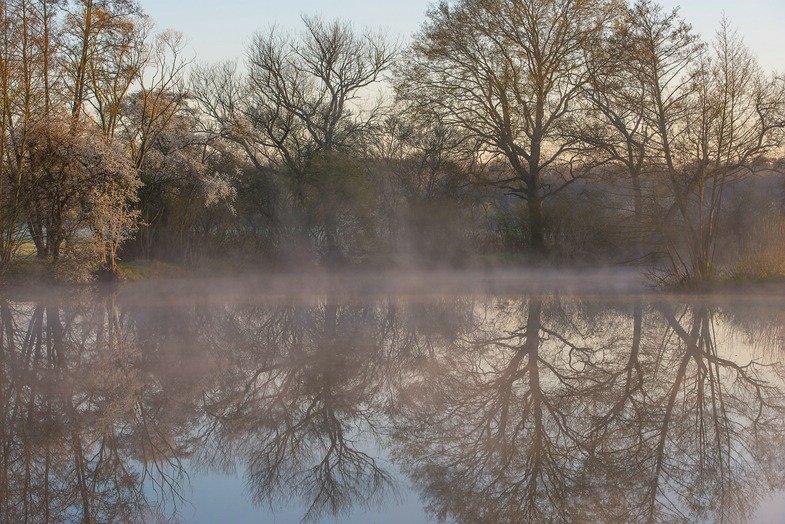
(576, 396)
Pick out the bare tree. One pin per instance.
(618, 128)
(511, 73)
(116, 64)
(89, 28)
(303, 94)
(162, 93)
(307, 94)
(304, 111)
(27, 94)
(714, 115)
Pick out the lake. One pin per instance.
(465, 397)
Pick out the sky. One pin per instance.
(219, 30)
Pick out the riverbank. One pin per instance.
(490, 274)
(166, 282)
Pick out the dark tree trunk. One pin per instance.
(37, 234)
(536, 223)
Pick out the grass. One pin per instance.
(759, 269)
(26, 270)
(139, 270)
(26, 249)
(764, 259)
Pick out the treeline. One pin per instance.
(584, 132)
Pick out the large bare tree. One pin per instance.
(303, 94)
(511, 73)
(304, 110)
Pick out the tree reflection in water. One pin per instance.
(555, 412)
(303, 389)
(495, 410)
(84, 427)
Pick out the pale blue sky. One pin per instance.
(218, 30)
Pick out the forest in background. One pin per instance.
(506, 132)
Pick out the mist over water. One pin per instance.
(470, 397)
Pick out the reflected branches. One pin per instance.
(496, 409)
(79, 440)
(565, 412)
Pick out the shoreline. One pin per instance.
(168, 281)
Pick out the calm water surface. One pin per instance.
(248, 402)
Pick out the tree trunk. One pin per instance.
(333, 253)
(637, 195)
(37, 234)
(536, 223)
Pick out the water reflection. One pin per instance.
(84, 426)
(566, 412)
(303, 386)
(490, 409)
